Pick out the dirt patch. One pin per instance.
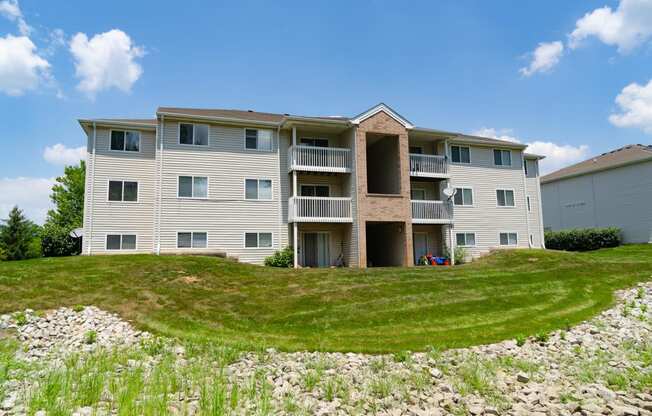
(189, 279)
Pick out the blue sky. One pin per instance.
(546, 73)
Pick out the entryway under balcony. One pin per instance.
(385, 244)
(428, 239)
(383, 164)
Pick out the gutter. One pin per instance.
(109, 123)
(220, 119)
(160, 186)
(92, 195)
(574, 175)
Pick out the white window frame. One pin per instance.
(244, 184)
(124, 143)
(192, 240)
(120, 233)
(208, 184)
(460, 187)
(122, 201)
(475, 238)
(505, 189)
(508, 232)
(502, 165)
(301, 185)
(208, 139)
(258, 233)
(257, 149)
(460, 162)
(314, 138)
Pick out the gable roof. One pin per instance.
(626, 155)
(387, 110)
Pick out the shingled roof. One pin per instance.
(623, 156)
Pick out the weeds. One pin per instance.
(90, 337)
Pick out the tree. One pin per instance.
(16, 236)
(68, 198)
(68, 213)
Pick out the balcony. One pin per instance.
(428, 166)
(319, 209)
(319, 159)
(432, 212)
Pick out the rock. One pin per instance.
(522, 377)
(625, 411)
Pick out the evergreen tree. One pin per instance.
(16, 236)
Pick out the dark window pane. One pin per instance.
(321, 142)
(470, 239)
(415, 150)
(185, 133)
(201, 135)
(251, 138)
(465, 155)
(460, 239)
(525, 167)
(251, 240)
(500, 195)
(322, 190)
(132, 141)
(455, 154)
(184, 240)
(507, 158)
(200, 187)
(509, 198)
(129, 242)
(131, 191)
(199, 240)
(185, 186)
(504, 240)
(498, 160)
(115, 191)
(305, 141)
(265, 240)
(512, 238)
(113, 242)
(251, 189)
(458, 199)
(117, 140)
(307, 190)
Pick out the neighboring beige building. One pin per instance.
(613, 189)
(361, 191)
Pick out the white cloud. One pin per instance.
(544, 58)
(32, 195)
(635, 102)
(11, 10)
(557, 156)
(502, 134)
(627, 27)
(21, 69)
(59, 154)
(106, 60)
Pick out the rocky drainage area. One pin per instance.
(85, 361)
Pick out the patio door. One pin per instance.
(316, 251)
(420, 243)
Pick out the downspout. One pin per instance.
(160, 186)
(92, 196)
(450, 228)
(527, 213)
(295, 226)
(280, 188)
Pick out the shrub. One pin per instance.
(520, 340)
(283, 258)
(583, 239)
(460, 255)
(56, 242)
(3, 255)
(17, 235)
(90, 337)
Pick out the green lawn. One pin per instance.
(374, 310)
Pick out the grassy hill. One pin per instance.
(375, 310)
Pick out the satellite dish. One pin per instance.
(77, 232)
(449, 192)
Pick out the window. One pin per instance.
(123, 191)
(465, 239)
(463, 196)
(505, 197)
(525, 166)
(417, 150)
(502, 157)
(508, 239)
(193, 187)
(121, 242)
(258, 139)
(193, 134)
(308, 141)
(531, 240)
(258, 189)
(125, 141)
(460, 154)
(315, 190)
(258, 240)
(418, 194)
(528, 204)
(192, 240)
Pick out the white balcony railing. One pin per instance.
(432, 212)
(432, 166)
(319, 159)
(319, 209)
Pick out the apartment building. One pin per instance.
(370, 190)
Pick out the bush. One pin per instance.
(283, 258)
(3, 255)
(583, 239)
(460, 255)
(56, 242)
